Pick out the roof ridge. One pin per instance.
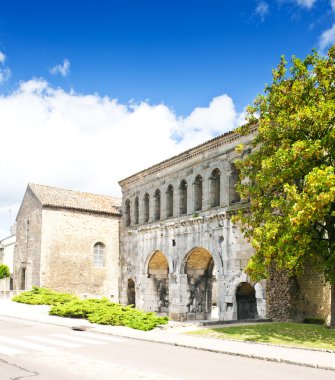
(71, 190)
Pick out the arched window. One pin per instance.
(127, 212)
(234, 196)
(99, 255)
(215, 188)
(198, 193)
(183, 197)
(157, 197)
(169, 201)
(146, 208)
(136, 212)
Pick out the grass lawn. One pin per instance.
(281, 333)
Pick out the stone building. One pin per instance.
(67, 241)
(180, 253)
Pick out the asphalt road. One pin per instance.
(44, 352)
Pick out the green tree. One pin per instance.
(291, 170)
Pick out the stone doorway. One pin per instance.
(158, 271)
(246, 301)
(199, 271)
(131, 294)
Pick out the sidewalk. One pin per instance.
(174, 335)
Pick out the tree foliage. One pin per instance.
(291, 169)
(4, 271)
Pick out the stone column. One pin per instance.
(178, 297)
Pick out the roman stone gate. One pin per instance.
(180, 253)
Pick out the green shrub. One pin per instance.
(4, 271)
(43, 296)
(99, 311)
(314, 320)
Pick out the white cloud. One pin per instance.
(332, 3)
(89, 142)
(327, 38)
(62, 69)
(4, 70)
(262, 9)
(2, 57)
(306, 3)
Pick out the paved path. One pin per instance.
(174, 335)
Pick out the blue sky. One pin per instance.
(83, 84)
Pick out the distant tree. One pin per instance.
(291, 171)
(4, 271)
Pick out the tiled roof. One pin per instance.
(75, 200)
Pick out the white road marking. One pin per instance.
(9, 351)
(23, 343)
(53, 341)
(79, 339)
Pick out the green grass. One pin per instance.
(99, 311)
(280, 333)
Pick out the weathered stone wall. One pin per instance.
(178, 207)
(280, 288)
(68, 239)
(312, 295)
(28, 243)
(294, 298)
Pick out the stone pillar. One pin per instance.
(205, 191)
(178, 297)
(224, 188)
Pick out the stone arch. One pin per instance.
(198, 266)
(158, 274)
(131, 292)
(146, 208)
(214, 188)
(234, 196)
(183, 197)
(246, 301)
(198, 193)
(157, 205)
(127, 213)
(169, 201)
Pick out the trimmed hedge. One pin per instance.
(99, 311)
(43, 296)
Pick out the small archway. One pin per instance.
(215, 188)
(136, 210)
(131, 293)
(234, 196)
(199, 269)
(169, 201)
(127, 213)
(183, 197)
(158, 272)
(246, 301)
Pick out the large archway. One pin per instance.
(199, 269)
(246, 301)
(158, 271)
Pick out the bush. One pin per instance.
(314, 320)
(99, 311)
(43, 296)
(4, 271)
